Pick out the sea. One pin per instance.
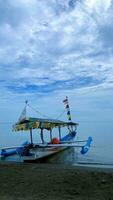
(99, 155)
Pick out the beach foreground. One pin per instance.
(54, 182)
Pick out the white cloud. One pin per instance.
(98, 5)
(40, 45)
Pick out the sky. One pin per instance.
(50, 49)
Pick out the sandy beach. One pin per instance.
(54, 182)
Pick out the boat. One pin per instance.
(41, 151)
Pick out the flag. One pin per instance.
(65, 101)
(69, 117)
(67, 106)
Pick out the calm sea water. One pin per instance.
(93, 158)
(99, 155)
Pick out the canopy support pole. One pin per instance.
(31, 136)
(50, 134)
(59, 132)
(41, 135)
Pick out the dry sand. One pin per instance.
(54, 182)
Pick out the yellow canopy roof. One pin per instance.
(38, 123)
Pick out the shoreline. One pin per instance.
(79, 166)
(21, 181)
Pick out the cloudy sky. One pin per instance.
(53, 48)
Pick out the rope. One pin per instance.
(43, 115)
(61, 114)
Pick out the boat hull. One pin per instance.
(39, 154)
(43, 156)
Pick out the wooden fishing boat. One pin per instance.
(38, 152)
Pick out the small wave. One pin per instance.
(95, 164)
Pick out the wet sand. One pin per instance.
(54, 182)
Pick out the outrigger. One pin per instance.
(31, 152)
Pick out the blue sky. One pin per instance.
(53, 48)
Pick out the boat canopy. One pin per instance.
(38, 123)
